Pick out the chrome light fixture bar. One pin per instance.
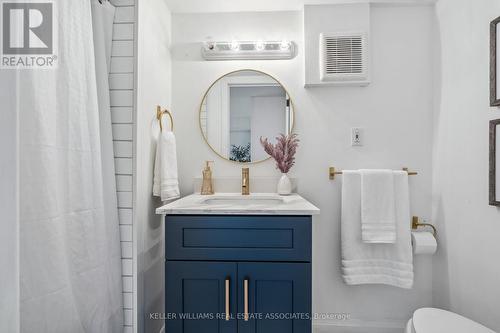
(251, 50)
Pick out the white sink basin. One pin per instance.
(242, 201)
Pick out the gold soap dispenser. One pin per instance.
(207, 186)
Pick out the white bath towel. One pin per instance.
(365, 263)
(378, 224)
(165, 179)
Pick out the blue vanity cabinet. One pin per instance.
(279, 296)
(255, 268)
(196, 293)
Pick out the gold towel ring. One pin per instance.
(159, 115)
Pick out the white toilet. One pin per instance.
(432, 320)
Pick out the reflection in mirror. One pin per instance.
(239, 108)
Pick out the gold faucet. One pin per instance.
(207, 186)
(245, 181)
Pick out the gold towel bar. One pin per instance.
(332, 172)
(159, 115)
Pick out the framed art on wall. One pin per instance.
(494, 57)
(494, 163)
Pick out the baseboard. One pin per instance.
(352, 326)
(358, 326)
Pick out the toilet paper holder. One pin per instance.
(415, 224)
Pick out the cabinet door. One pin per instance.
(195, 297)
(278, 297)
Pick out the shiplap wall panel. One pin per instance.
(124, 183)
(127, 269)
(122, 65)
(124, 199)
(126, 233)
(121, 3)
(127, 251)
(122, 148)
(128, 300)
(123, 166)
(121, 82)
(125, 14)
(122, 98)
(128, 284)
(122, 115)
(124, 31)
(125, 215)
(123, 132)
(128, 319)
(122, 48)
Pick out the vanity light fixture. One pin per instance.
(248, 50)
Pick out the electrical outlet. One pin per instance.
(356, 136)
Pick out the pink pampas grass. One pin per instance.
(283, 151)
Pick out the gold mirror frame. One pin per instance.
(292, 106)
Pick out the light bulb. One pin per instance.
(235, 46)
(259, 46)
(285, 45)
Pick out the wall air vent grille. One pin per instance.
(343, 57)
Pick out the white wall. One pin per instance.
(395, 110)
(9, 235)
(153, 88)
(466, 269)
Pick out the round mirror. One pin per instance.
(240, 108)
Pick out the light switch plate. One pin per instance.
(356, 136)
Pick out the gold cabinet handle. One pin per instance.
(245, 299)
(227, 299)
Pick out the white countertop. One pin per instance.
(237, 204)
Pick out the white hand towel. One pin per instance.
(165, 180)
(378, 224)
(365, 263)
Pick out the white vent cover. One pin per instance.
(343, 58)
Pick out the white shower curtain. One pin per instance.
(69, 235)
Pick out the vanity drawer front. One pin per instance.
(231, 237)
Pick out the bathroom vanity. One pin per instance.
(238, 264)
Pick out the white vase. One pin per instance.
(284, 185)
